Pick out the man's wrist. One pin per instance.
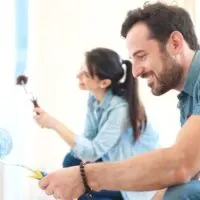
(94, 175)
(84, 177)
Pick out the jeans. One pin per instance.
(187, 191)
(70, 161)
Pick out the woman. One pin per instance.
(116, 126)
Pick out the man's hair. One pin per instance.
(161, 20)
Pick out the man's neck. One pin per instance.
(187, 58)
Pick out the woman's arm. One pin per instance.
(84, 148)
(107, 136)
(47, 121)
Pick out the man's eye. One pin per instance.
(141, 57)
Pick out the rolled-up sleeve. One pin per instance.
(196, 108)
(106, 138)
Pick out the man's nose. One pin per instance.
(137, 71)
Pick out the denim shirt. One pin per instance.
(108, 135)
(189, 97)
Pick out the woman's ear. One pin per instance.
(105, 83)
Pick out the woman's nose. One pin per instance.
(78, 75)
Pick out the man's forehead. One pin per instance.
(137, 36)
(140, 30)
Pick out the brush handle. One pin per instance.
(35, 103)
(43, 174)
(39, 175)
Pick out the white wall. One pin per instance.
(7, 61)
(197, 17)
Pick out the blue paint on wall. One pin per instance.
(21, 35)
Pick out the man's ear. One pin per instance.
(175, 42)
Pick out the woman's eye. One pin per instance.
(86, 74)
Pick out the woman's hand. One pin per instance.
(44, 119)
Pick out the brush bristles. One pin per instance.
(22, 80)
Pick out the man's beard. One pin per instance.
(170, 77)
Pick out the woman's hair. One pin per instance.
(107, 64)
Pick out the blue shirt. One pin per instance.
(108, 135)
(189, 97)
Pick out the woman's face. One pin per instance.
(86, 81)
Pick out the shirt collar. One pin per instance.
(192, 75)
(105, 101)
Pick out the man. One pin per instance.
(164, 49)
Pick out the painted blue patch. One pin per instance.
(21, 28)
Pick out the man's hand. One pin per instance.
(63, 184)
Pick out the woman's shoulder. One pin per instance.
(118, 101)
(150, 131)
(112, 101)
